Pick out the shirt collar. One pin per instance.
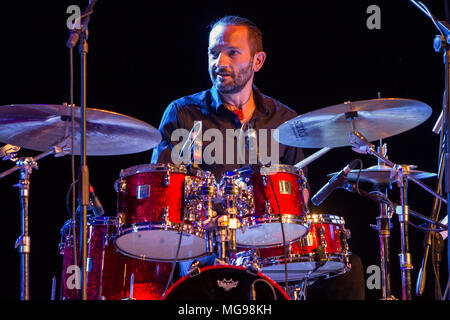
(260, 110)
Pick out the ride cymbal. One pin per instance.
(41, 126)
(374, 119)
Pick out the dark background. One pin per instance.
(142, 56)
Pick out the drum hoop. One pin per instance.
(188, 229)
(308, 257)
(275, 218)
(267, 170)
(171, 226)
(317, 218)
(153, 167)
(207, 268)
(92, 221)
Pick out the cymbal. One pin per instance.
(331, 126)
(41, 126)
(381, 174)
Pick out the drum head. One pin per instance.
(269, 234)
(225, 283)
(301, 270)
(160, 245)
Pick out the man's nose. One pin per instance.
(223, 60)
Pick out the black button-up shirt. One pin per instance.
(207, 107)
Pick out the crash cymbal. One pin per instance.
(381, 174)
(331, 126)
(41, 126)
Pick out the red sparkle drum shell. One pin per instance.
(325, 230)
(225, 282)
(151, 203)
(262, 207)
(108, 271)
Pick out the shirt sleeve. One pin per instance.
(170, 121)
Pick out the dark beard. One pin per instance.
(239, 82)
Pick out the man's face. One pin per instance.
(230, 59)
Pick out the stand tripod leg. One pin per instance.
(383, 226)
(24, 241)
(405, 256)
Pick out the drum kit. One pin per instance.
(255, 220)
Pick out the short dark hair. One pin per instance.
(254, 33)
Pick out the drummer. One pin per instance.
(232, 104)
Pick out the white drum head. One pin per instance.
(161, 245)
(269, 234)
(299, 270)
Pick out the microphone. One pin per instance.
(84, 20)
(97, 207)
(334, 183)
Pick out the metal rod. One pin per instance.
(84, 172)
(383, 227)
(405, 256)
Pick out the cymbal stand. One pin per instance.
(362, 145)
(23, 244)
(383, 227)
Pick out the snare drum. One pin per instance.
(152, 201)
(224, 282)
(269, 195)
(323, 252)
(109, 272)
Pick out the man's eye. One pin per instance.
(214, 54)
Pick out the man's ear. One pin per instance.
(258, 60)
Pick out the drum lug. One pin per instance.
(264, 181)
(165, 215)
(268, 207)
(344, 235)
(322, 239)
(120, 220)
(122, 185)
(166, 181)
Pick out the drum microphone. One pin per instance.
(334, 183)
(97, 207)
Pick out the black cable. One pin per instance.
(253, 291)
(358, 176)
(74, 222)
(436, 205)
(446, 289)
(172, 271)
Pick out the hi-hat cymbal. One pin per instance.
(381, 174)
(41, 126)
(374, 119)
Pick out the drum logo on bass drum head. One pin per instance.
(227, 285)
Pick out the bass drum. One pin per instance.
(225, 282)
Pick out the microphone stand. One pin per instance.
(441, 44)
(83, 174)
